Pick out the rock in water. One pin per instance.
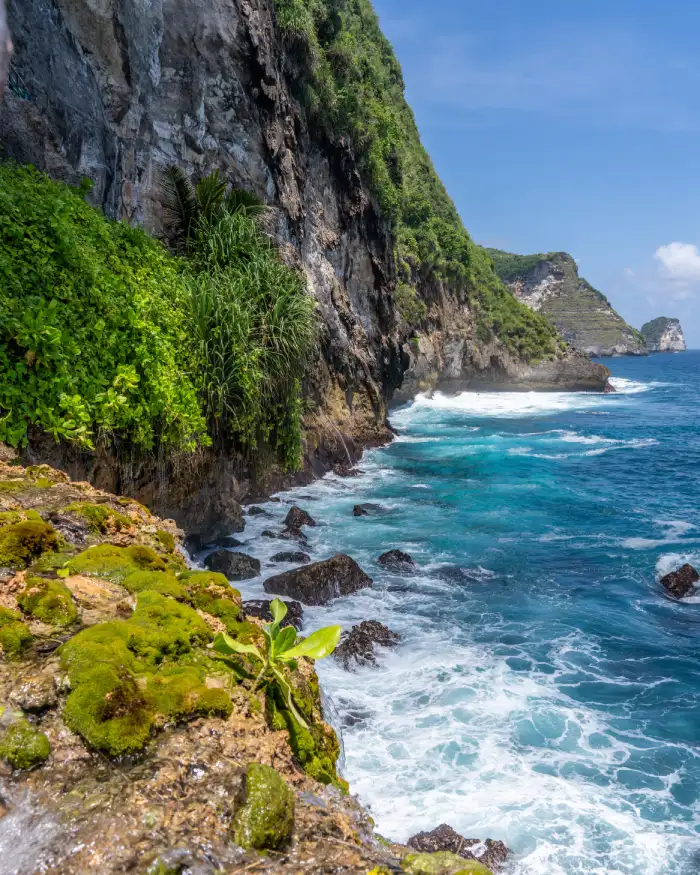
(257, 511)
(296, 518)
(396, 560)
(260, 608)
(235, 566)
(664, 335)
(491, 853)
(682, 582)
(320, 582)
(358, 510)
(292, 556)
(358, 645)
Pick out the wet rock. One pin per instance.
(368, 509)
(74, 529)
(257, 511)
(23, 746)
(682, 582)
(357, 647)
(441, 863)
(260, 608)
(266, 819)
(228, 541)
(296, 518)
(35, 692)
(291, 556)
(320, 582)
(396, 560)
(358, 510)
(234, 566)
(491, 853)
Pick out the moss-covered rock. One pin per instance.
(442, 863)
(14, 635)
(115, 563)
(99, 517)
(211, 592)
(21, 543)
(266, 819)
(49, 601)
(166, 540)
(125, 679)
(157, 581)
(23, 745)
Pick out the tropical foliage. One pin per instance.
(106, 336)
(281, 648)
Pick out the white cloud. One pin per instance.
(628, 271)
(680, 261)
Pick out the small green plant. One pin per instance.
(280, 649)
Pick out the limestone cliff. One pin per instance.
(664, 335)
(551, 285)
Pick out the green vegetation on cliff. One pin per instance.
(106, 335)
(353, 87)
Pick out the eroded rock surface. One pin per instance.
(443, 838)
(357, 647)
(397, 560)
(682, 582)
(320, 582)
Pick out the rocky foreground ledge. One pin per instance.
(126, 745)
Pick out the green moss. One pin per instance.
(442, 863)
(125, 679)
(115, 563)
(158, 581)
(167, 540)
(8, 517)
(50, 562)
(14, 635)
(49, 601)
(211, 592)
(24, 746)
(22, 542)
(99, 517)
(267, 818)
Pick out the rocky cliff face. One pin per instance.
(551, 285)
(664, 335)
(115, 91)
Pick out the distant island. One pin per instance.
(664, 335)
(550, 284)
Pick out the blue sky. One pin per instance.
(568, 126)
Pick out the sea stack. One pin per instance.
(664, 335)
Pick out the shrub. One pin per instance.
(92, 328)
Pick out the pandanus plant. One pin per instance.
(280, 648)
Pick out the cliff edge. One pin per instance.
(664, 335)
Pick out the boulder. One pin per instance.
(491, 853)
(228, 541)
(296, 518)
(358, 645)
(358, 510)
(291, 556)
(234, 566)
(396, 560)
(320, 582)
(257, 511)
(368, 509)
(682, 582)
(260, 608)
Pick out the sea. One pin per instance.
(546, 691)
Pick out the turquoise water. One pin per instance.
(546, 692)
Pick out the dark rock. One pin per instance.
(491, 853)
(260, 608)
(287, 535)
(296, 518)
(291, 556)
(228, 541)
(268, 533)
(358, 645)
(321, 582)
(73, 528)
(235, 566)
(257, 511)
(368, 509)
(396, 560)
(275, 498)
(682, 582)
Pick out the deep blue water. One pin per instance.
(546, 693)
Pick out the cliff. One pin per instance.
(551, 284)
(664, 335)
(303, 107)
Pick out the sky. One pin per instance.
(568, 126)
